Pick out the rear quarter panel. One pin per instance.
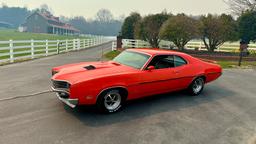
(212, 72)
(198, 67)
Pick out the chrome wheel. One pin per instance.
(112, 100)
(198, 85)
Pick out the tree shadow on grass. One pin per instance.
(149, 106)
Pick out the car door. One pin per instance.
(182, 73)
(158, 80)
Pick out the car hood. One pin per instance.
(75, 73)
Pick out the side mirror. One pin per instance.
(150, 68)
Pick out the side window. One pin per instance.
(179, 61)
(163, 61)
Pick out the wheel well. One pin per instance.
(123, 91)
(202, 76)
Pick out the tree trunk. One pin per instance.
(212, 48)
(206, 44)
(182, 45)
(180, 48)
(154, 43)
(179, 44)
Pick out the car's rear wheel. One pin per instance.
(111, 101)
(197, 86)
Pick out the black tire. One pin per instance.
(105, 101)
(196, 87)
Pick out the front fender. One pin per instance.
(88, 91)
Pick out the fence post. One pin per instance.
(74, 44)
(113, 46)
(200, 46)
(46, 48)
(78, 44)
(11, 51)
(84, 43)
(66, 45)
(58, 46)
(87, 43)
(32, 49)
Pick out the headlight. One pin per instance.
(60, 84)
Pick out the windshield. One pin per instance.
(133, 59)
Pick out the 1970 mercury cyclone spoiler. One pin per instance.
(133, 74)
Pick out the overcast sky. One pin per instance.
(88, 8)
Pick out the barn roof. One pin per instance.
(55, 22)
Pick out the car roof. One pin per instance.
(155, 51)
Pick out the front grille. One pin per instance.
(62, 88)
(60, 84)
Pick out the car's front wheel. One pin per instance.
(197, 86)
(110, 101)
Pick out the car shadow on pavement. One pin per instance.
(149, 106)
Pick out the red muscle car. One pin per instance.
(133, 74)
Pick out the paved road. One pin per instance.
(33, 76)
(223, 113)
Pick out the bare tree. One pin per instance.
(4, 4)
(104, 15)
(240, 6)
(216, 30)
(44, 8)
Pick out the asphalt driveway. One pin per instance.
(224, 113)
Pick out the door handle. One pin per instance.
(176, 72)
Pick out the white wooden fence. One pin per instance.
(132, 43)
(11, 51)
(194, 44)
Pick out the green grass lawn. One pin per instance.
(7, 34)
(112, 54)
(234, 64)
(223, 64)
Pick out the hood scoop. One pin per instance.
(90, 67)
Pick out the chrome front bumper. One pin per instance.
(70, 102)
